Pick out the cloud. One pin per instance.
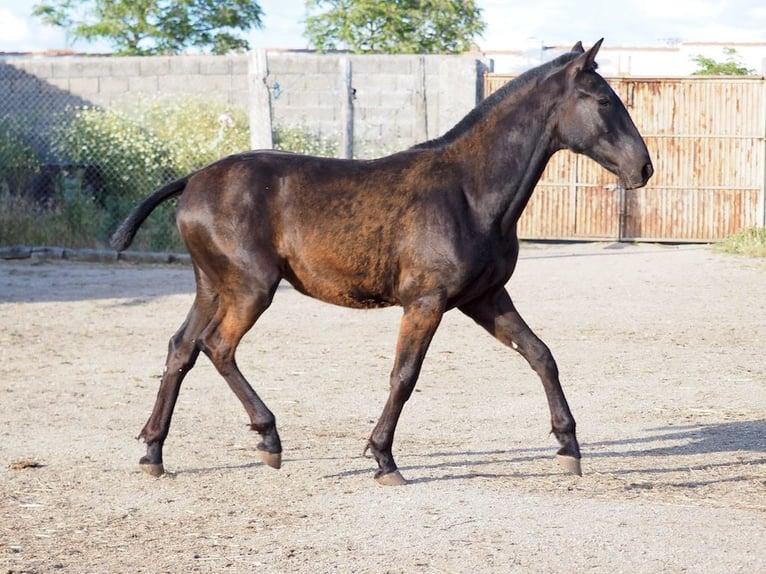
(644, 23)
(13, 29)
(22, 33)
(688, 10)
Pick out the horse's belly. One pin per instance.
(340, 290)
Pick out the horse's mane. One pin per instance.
(513, 86)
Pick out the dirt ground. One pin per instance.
(662, 356)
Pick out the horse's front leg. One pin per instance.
(419, 323)
(497, 314)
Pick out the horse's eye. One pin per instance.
(603, 102)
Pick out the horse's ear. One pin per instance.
(586, 61)
(578, 48)
(590, 56)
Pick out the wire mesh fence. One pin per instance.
(77, 168)
(69, 170)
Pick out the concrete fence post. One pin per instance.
(259, 100)
(420, 130)
(346, 109)
(762, 198)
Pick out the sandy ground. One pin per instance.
(663, 360)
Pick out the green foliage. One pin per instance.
(750, 242)
(194, 131)
(19, 160)
(138, 150)
(143, 27)
(394, 27)
(732, 66)
(113, 159)
(138, 161)
(110, 163)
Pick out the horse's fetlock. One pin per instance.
(565, 428)
(265, 426)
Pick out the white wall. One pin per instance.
(672, 60)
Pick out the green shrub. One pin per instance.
(18, 161)
(195, 132)
(132, 161)
(114, 158)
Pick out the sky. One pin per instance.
(511, 24)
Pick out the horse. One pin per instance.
(430, 229)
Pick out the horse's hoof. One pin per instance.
(570, 463)
(273, 459)
(391, 479)
(153, 469)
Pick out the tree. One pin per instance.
(393, 27)
(731, 67)
(144, 27)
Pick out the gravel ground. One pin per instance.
(661, 351)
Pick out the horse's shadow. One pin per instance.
(665, 442)
(691, 440)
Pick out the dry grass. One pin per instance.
(750, 242)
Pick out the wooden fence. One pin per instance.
(707, 139)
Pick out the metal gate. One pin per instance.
(707, 139)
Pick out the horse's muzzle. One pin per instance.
(639, 179)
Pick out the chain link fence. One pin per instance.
(29, 114)
(70, 171)
(76, 169)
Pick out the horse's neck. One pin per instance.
(510, 147)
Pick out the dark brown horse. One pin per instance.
(431, 228)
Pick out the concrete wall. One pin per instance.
(399, 100)
(104, 81)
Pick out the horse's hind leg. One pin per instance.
(182, 354)
(237, 312)
(497, 314)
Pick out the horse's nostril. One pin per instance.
(647, 171)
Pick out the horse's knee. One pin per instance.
(182, 354)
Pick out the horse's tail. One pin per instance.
(125, 233)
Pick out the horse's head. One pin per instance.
(592, 120)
